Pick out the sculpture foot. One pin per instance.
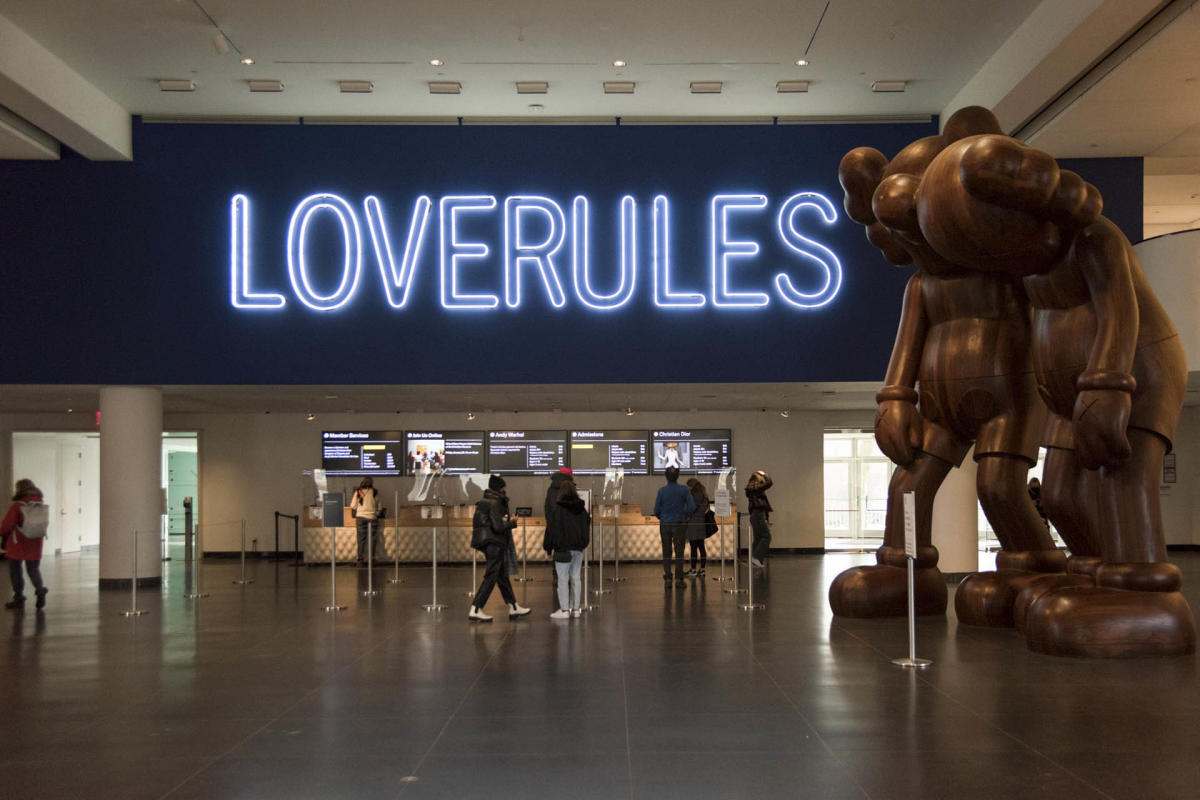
(987, 599)
(1083, 565)
(1032, 560)
(882, 591)
(1100, 622)
(1039, 585)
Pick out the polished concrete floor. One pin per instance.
(256, 692)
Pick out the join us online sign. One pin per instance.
(336, 247)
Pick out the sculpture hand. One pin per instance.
(1101, 418)
(898, 430)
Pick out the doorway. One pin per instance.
(856, 484)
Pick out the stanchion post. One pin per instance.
(195, 594)
(587, 567)
(370, 592)
(524, 554)
(134, 611)
(433, 604)
(617, 548)
(737, 546)
(749, 605)
(396, 550)
(474, 563)
(242, 581)
(910, 555)
(722, 577)
(333, 606)
(600, 546)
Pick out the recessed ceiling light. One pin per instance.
(247, 61)
(619, 87)
(629, 412)
(889, 86)
(801, 62)
(177, 85)
(445, 87)
(789, 87)
(356, 87)
(706, 87)
(533, 87)
(310, 416)
(265, 85)
(537, 108)
(436, 62)
(619, 63)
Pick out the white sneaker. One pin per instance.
(477, 615)
(576, 613)
(756, 563)
(561, 614)
(517, 610)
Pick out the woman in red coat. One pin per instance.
(18, 548)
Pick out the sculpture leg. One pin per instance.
(881, 590)
(1135, 608)
(1071, 499)
(987, 598)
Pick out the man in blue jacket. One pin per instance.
(673, 506)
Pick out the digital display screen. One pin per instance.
(362, 452)
(445, 452)
(594, 452)
(527, 452)
(701, 451)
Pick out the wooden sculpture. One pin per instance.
(1109, 366)
(964, 338)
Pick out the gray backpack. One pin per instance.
(35, 520)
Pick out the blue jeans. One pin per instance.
(34, 568)
(568, 572)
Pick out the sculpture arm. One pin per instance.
(897, 422)
(1103, 401)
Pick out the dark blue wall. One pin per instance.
(120, 272)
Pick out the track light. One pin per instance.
(310, 416)
(220, 43)
(628, 411)
(785, 413)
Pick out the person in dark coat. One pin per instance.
(568, 532)
(760, 516)
(492, 533)
(556, 482)
(696, 532)
(673, 505)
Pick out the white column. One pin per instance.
(956, 520)
(130, 483)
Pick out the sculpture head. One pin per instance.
(881, 194)
(989, 202)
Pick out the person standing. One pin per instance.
(760, 516)
(568, 531)
(492, 533)
(22, 549)
(697, 527)
(1035, 494)
(365, 509)
(673, 505)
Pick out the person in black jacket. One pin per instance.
(760, 516)
(697, 527)
(568, 531)
(492, 533)
(556, 482)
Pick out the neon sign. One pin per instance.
(535, 252)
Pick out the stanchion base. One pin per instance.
(915, 663)
(370, 593)
(588, 608)
(197, 595)
(469, 594)
(734, 591)
(522, 580)
(751, 606)
(433, 607)
(719, 579)
(616, 580)
(134, 612)
(243, 583)
(334, 608)
(601, 591)
(395, 580)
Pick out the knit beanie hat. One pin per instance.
(495, 482)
